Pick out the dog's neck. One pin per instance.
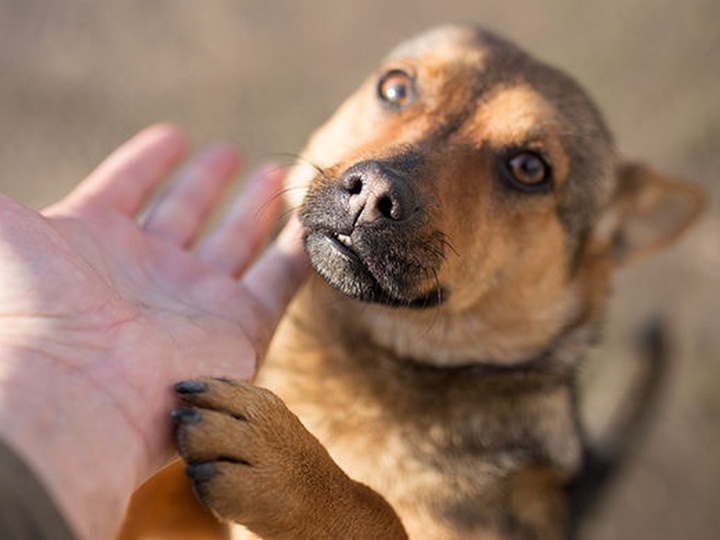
(553, 337)
(331, 346)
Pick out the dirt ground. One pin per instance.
(77, 77)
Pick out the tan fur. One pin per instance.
(165, 507)
(462, 416)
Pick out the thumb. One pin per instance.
(274, 278)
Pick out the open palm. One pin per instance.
(113, 308)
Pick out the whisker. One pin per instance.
(445, 242)
(302, 161)
(285, 214)
(287, 155)
(279, 194)
(438, 290)
(430, 272)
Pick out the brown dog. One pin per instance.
(464, 215)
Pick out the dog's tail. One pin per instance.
(608, 456)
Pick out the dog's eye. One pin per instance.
(528, 170)
(396, 88)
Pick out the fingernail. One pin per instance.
(201, 471)
(190, 387)
(186, 416)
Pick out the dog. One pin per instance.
(464, 212)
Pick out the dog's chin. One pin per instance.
(346, 270)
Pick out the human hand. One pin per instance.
(102, 315)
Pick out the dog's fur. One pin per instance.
(464, 214)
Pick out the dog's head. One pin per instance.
(474, 198)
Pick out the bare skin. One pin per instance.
(102, 315)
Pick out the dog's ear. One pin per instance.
(649, 211)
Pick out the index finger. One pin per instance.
(126, 178)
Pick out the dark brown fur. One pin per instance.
(439, 367)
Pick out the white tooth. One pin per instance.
(345, 239)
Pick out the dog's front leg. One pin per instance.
(251, 461)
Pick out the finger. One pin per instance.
(247, 225)
(126, 178)
(182, 210)
(273, 280)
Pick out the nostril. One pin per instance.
(370, 191)
(385, 206)
(354, 185)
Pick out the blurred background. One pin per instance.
(78, 77)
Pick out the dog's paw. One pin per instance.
(250, 459)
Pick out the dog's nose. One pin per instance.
(375, 192)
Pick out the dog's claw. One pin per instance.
(201, 471)
(186, 416)
(190, 387)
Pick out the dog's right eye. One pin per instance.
(396, 88)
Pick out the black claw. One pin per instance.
(224, 379)
(201, 471)
(190, 387)
(186, 416)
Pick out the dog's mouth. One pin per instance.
(344, 244)
(367, 271)
(369, 235)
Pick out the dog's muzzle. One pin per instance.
(365, 233)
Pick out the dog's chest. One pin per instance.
(440, 447)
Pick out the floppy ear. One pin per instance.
(650, 211)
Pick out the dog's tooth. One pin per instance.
(345, 239)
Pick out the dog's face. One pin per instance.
(472, 195)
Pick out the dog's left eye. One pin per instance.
(528, 171)
(396, 88)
